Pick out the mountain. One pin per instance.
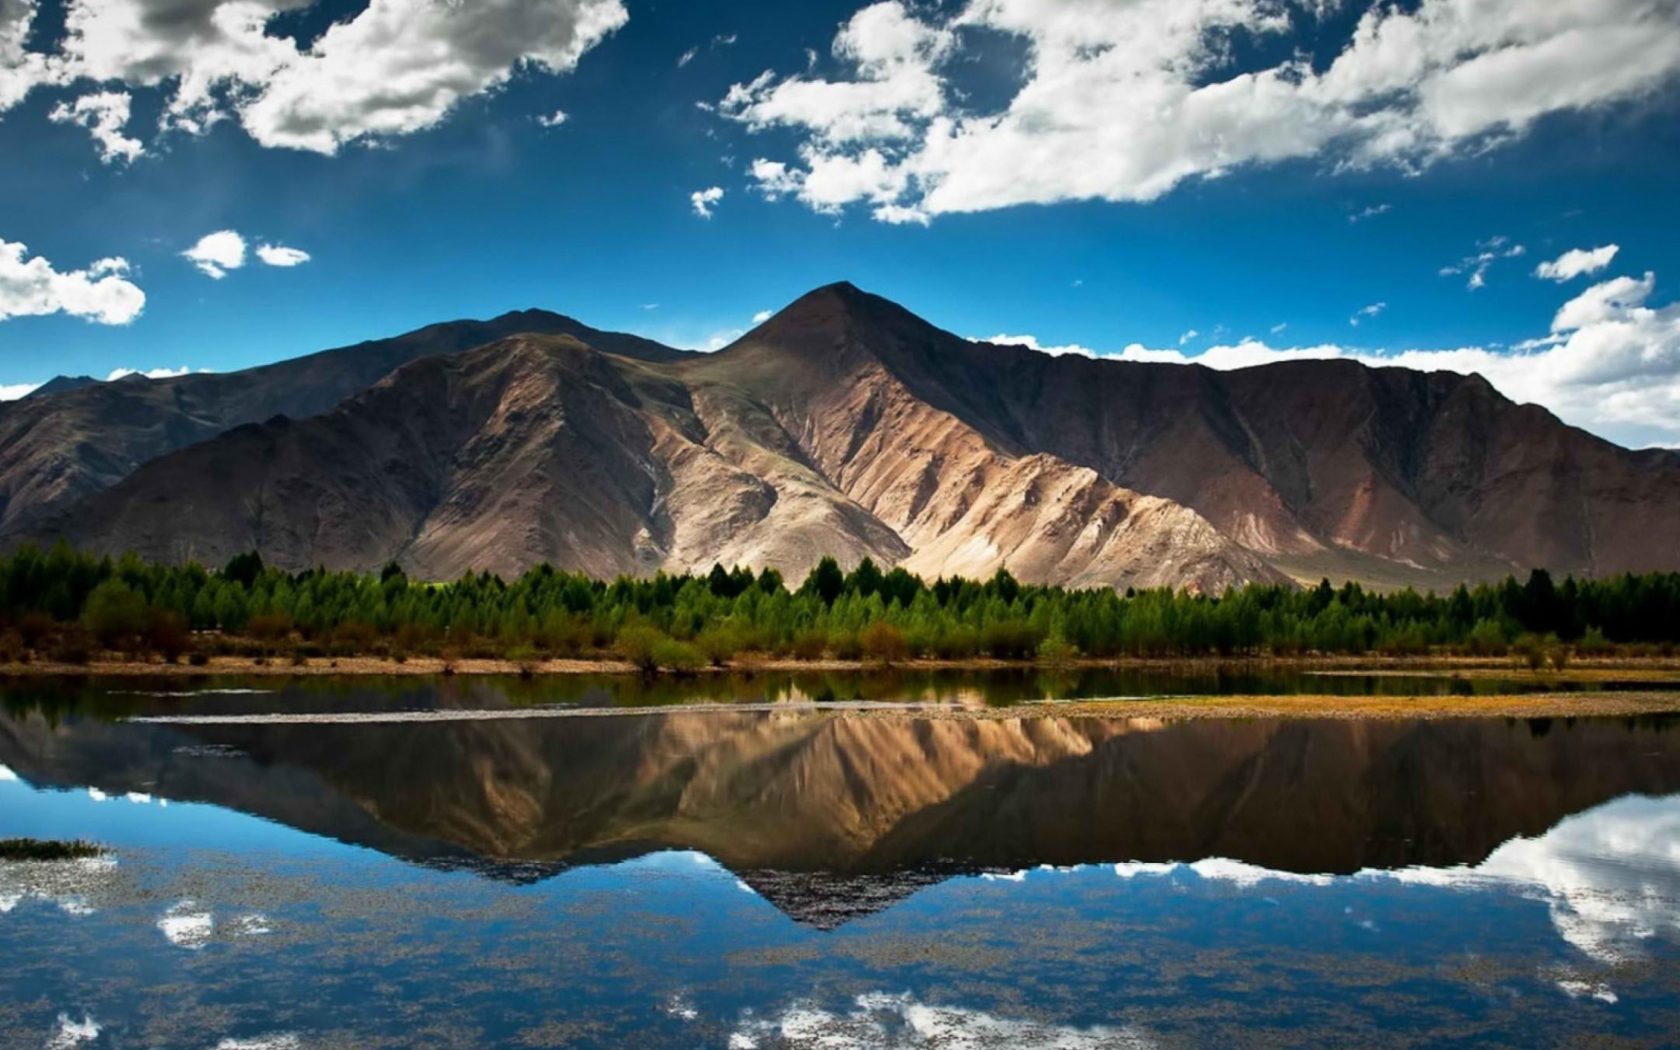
(1321, 467)
(872, 807)
(540, 448)
(60, 446)
(846, 425)
(60, 385)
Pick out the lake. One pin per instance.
(282, 875)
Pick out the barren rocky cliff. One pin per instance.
(843, 425)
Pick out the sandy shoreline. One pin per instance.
(1163, 709)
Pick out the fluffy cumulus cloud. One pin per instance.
(1125, 101)
(280, 255)
(105, 115)
(1610, 362)
(396, 67)
(1577, 261)
(705, 200)
(217, 253)
(31, 286)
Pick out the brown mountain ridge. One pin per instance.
(846, 425)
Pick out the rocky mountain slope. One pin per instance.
(76, 437)
(843, 425)
(539, 448)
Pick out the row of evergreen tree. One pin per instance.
(129, 603)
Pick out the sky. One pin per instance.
(1478, 185)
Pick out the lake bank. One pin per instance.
(1505, 667)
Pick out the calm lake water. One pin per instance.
(665, 877)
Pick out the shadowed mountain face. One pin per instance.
(1319, 466)
(77, 437)
(809, 806)
(844, 425)
(540, 448)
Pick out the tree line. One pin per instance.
(71, 605)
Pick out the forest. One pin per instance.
(67, 606)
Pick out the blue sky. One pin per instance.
(997, 166)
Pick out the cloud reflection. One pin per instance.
(879, 1021)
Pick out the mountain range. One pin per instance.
(843, 425)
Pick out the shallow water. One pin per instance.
(747, 878)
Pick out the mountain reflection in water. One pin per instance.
(833, 815)
(579, 881)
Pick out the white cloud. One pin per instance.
(879, 1021)
(761, 317)
(1125, 101)
(72, 1033)
(1032, 343)
(104, 114)
(149, 373)
(1609, 876)
(186, 927)
(216, 253)
(1370, 212)
(1366, 311)
(1577, 261)
(280, 255)
(687, 56)
(396, 67)
(1278, 328)
(11, 392)
(1187, 336)
(30, 287)
(553, 120)
(705, 200)
(718, 340)
(1488, 252)
(1610, 363)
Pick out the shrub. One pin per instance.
(115, 614)
(1011, 640)
(353, 639)
(676, 656)
(167, 634)
(1487, 638)
(845, 645)
(12, 649)
(1056, 650)
(1593, 643)
(36, 628)
(810, 645)
(1531, 650)
(636, 644)
(717, 645)
(268, 629)
(75, 646)
(198, 659)
(883, 642)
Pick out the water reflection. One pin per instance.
(833, 815)
(970, 688)
(1031, 881)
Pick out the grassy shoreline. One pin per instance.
(1583, 669)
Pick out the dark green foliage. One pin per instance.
(44, 849)
(68, 606)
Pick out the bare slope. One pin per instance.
(58, 448)
(540, 448)
(1319, 466)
